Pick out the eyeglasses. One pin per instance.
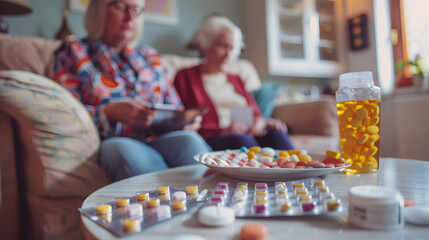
(122, 7)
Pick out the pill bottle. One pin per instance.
(376, 207)
(358, 108)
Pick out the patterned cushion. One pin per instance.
(59, 139)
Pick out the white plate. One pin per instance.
(270, 174)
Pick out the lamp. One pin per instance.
(12, 7)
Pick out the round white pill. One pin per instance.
(179, 195)
(417, 215)
(268, 150)
(216, 216)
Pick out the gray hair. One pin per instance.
(210, 28)
(95, 20)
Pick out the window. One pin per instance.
(410, 35)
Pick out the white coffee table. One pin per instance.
(411, 177)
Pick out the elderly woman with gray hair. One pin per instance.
(219, 41)
(119, 83)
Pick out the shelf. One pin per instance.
(302, 37)
(291, 39)
(290, 12)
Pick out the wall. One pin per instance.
(46, 20)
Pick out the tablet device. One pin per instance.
(167, 120)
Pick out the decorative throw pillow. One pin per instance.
(58, 137)
(265, 97)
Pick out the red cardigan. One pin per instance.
(189, 86)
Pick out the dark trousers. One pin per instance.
(274, 138)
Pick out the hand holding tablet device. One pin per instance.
(168, 119)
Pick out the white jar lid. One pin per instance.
(373, 195)
(356, 80)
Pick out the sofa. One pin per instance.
(49, 144)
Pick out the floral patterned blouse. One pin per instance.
(97, 75)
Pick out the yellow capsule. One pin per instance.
(362, 113)
(292, 152)
(355, 122)
(366, 121)
(285, 207)
(261, 193)
(348, 113)
(319, 184)
(130, 225)
(282, 192)
(368, 166)
(362, 140)
(354, 157)
(351, 140)
(260, 200)
(349, 131)
(375, 110)
(375, 120)
(342, 122)
(305, 199)
(301, 192)
(324, 190)
(304, 158)
(350, 106)
(104, 209)
(372, 159)
(373, 138)
(372, 151)
(284, 154)
(251, 155)
(191, 189)
(333, 154)
(372, 129)
(364, 152)
(356, 166)
(151, 203)
(358, 149)
(123, 202)
(242, 187)
(142, 196)
(177, 205)
(266, 155)
(255, 149)
(298, 185)
(163, 190)
(332, 205)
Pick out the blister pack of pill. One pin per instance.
(309, 196)
(130, 215)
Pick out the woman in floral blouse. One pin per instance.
(119, 83)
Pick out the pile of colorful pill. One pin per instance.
(295, 198)
(267, 157)
(130, 215)
(359, 123)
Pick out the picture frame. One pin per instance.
(161, 11)
(358, 32)
(78, 6)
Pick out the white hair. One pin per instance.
(95, 20)
(210, 28)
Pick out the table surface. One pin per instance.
(410, 177)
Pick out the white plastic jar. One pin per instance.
(376, 207)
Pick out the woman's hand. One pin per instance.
(195, 125)
(133, 113)
(259, 127)
(276, 124)
(235, 128)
